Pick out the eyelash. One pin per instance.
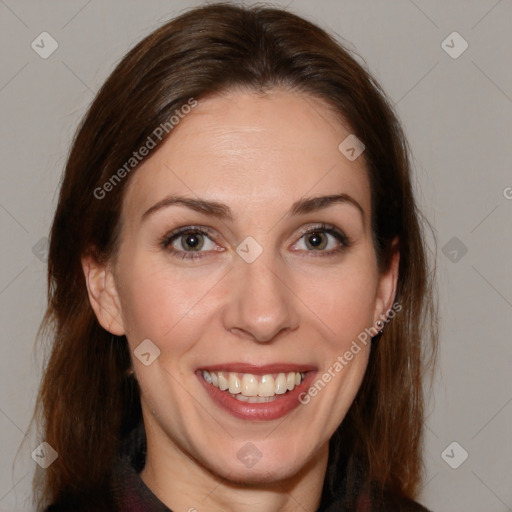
(169, 238)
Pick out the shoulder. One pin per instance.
(393, 503)
(80, 507)
(385, 504)
(84, 502)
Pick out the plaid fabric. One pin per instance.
(130, 493)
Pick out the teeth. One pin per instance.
(250, 388)
(223, 382)
(254, 399)
(267, 386)
(250, 385)
(281, 384)
(290, 381)
(234, 384)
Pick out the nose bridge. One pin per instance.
(261, 305)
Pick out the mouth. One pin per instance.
(256, 393)
(254, 389)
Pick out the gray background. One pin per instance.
(457, 115)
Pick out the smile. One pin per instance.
(256, 393)
(251, 388)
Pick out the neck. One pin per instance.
(183, 484)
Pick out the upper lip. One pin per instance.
(239, 367)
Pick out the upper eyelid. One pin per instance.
(321, 226)
(185, 229)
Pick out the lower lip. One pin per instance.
(264, 411)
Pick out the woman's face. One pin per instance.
(246, 258)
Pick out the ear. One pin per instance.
(386, 289)
(103, 294)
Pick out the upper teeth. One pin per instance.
(251, 385)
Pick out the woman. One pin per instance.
(239, 297)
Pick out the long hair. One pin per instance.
(86, 403)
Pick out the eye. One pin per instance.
(189, 242)
(324, 239)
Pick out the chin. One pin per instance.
(250, 466)
(259, 474)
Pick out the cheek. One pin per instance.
(343, 301)
(158, 301)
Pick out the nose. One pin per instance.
(261, 304)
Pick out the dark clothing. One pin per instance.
(128, 493)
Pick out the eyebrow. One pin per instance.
(222, 211)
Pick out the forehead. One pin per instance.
(251, 151)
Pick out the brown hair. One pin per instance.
(86, 404)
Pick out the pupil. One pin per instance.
(192, 241)
(315, 240)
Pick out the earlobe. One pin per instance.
(103, 295)
(387, 284)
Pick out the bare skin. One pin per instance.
(299, 302)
